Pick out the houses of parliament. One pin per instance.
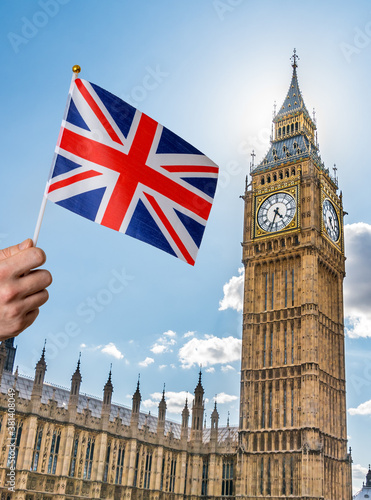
(291, 441)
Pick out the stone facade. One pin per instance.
(292, 406)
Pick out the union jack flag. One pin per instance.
(118, 167)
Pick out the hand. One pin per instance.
(22, 288)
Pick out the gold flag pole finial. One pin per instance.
(76, 69)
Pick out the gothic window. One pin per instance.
(286, 288)
(285, 348)
(36, 450)
(280, 175)
(255, 443)
(274, 177)
(274, 151)
(270, 406)
(262, 180)
(162, 474)
(291, 476)
(106, 464)
(292, 344)
(54, 450)
(288, 129)
(120, 464)
(147, 470)
(296, 126)
(227, 478)
(284, 405)
(14, 444)
(292, 128)
(263, 408)
(264, 347)
(284, 149)
(292, 287)
(268, 178)
(266, 292)
(272, 290)
(271, 349)
(172, 475)
(269, 477)
(74, 457)
(287, 173)
(89, 458)
(292, 406)
(293, 171)
(185, 478)
(279, 132)
(262, 476)
(136, 470)
(284, 476)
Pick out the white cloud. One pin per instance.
(82, 346)
(357, 284)
(188, 334)
(148, 361)
(164, 343)
(227, 368)
(359, 472)
(158, 348)
(161, 367)
(210, 370)
(170, 333)
(175, 401)
(362, 409)
(233, 293)
(112, 350)
(222, 398)
(358, 476)
(210, 351)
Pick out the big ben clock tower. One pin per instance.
(293, 439)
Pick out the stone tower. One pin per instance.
(293, 437)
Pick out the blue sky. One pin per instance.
(217, 67)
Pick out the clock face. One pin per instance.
(276, 212)
(330, 220)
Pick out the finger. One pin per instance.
(13, 250)
(34, 282)
(35, 301)
(22, 262)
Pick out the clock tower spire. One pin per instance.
(292, 406)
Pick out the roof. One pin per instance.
(294, 101)
(61, 396)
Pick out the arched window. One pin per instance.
(268, 178)
(292, 127)
(262, 180)
(296, 126)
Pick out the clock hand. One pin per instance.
(277, 212)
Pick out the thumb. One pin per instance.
(10, 251)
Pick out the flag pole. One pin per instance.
(76, 70)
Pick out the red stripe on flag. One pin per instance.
(97, 111)
(182, 168)
(170, 229)
(71, 180)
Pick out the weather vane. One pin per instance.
(294, 58)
